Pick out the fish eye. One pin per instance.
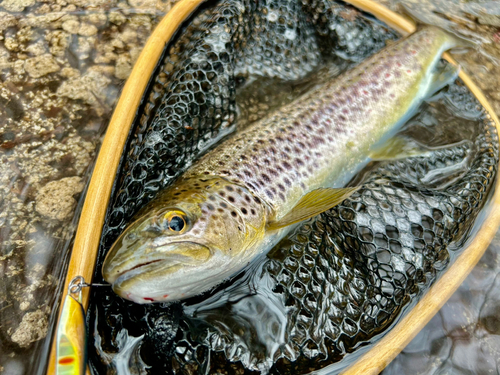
(176, 221)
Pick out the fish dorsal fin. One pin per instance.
(312, 204)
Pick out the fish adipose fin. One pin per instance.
(444, 74)
(398, 147)
(312, 204)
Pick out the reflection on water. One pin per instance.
(249, 314)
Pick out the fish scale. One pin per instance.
(302, 145)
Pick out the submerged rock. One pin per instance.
(33, 327)
(489, 19)
(16, 5)
(56, 201)
(41, 65)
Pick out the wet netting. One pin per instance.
(337, 283)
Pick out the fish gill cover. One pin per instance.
(340, 280)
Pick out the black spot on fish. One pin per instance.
(273, 172)
(299, 162)
(265, 178)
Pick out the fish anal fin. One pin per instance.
(398, 147)
(444, 74)
(312, 204)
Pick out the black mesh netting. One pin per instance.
(339, 280)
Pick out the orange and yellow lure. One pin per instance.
(71, 333)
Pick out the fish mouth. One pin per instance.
(163, 259)
(141, 269)
(140, 266)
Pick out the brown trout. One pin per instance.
(246, 194)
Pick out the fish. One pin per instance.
(243, 196)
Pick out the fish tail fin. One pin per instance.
(449, 40)
(454, 40)
(442, 73)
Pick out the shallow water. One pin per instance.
(55, 138)
(62, 66)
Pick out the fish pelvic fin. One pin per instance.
(312, 204)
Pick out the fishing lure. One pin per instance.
(71, 332)
(71, 346)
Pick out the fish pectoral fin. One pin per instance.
(312, 204)
(444, 74)
(398, 147)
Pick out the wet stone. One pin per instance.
(489, 19)
(490, 317)
(16, 5)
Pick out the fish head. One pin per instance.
(185, 241)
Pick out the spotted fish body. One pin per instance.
(216, 218)
(322, 138)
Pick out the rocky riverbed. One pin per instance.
(62, 64)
